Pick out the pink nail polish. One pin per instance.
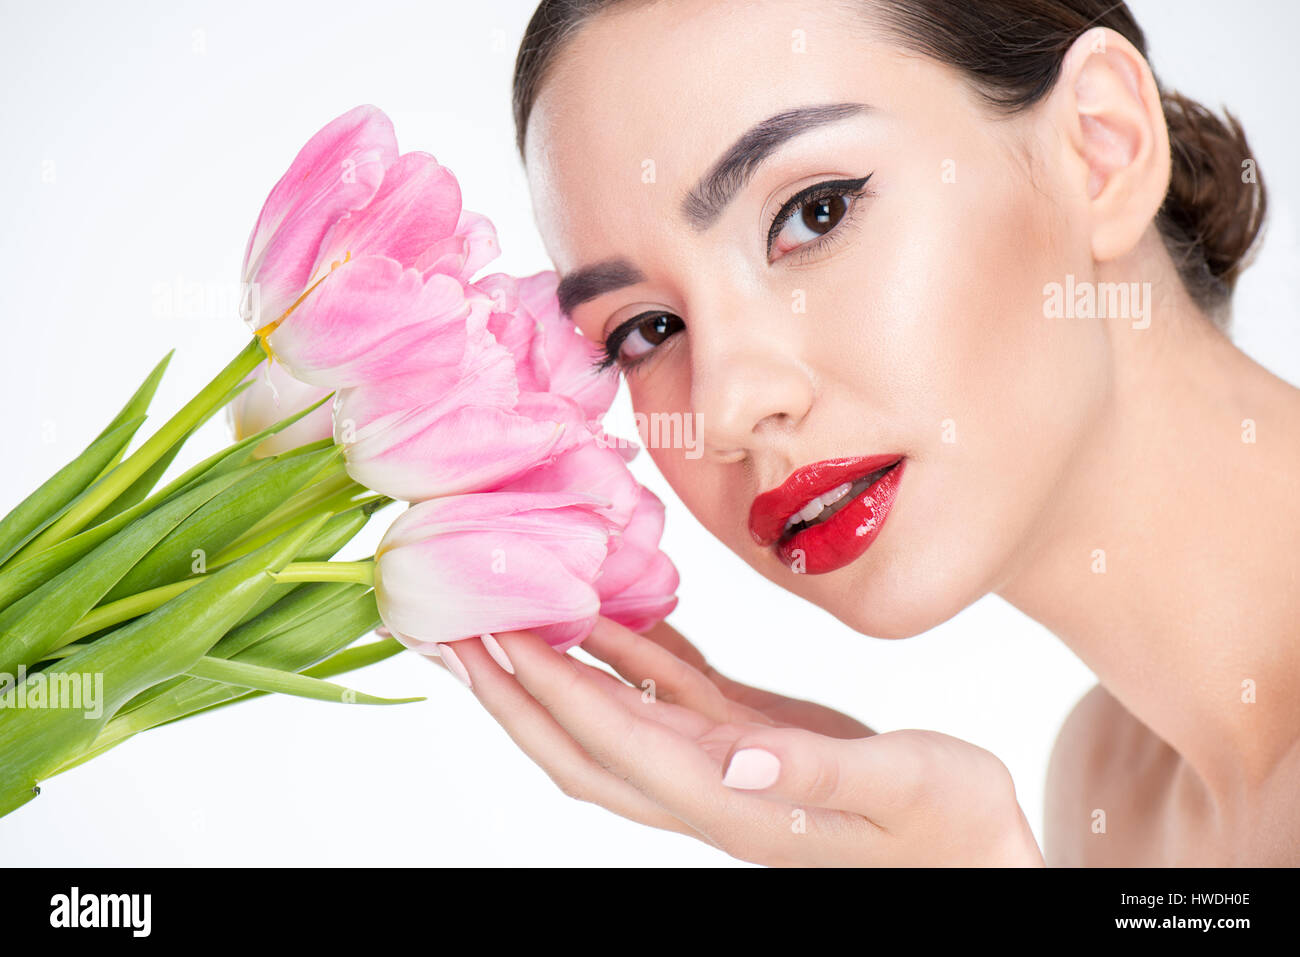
(498, 653)
(752, 769)
(454, 664)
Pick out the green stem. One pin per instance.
(124, 609)
(363, 573)
(120, 479)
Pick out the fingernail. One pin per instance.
(752, 769)
(498, 653)
(454, 664)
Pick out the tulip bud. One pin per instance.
(465, 565)
(276, 395)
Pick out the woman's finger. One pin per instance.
(672, 770)
(765, 707)
(650, 665)
(680, 719)
(876, 776)
(643, 701)
(547, 744)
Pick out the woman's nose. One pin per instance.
(747, 392)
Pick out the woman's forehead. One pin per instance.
(646, 95)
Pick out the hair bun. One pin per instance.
(1214, 211)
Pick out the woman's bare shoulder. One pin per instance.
(1100, 751)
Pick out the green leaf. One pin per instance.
(36, 741)
(358, 657)
(139, 402)
(337, 532)
(305, 604)
(308, 603)
(327, 500)
(236, 455)
(38, 510)
(141, 487)
(259, 623)
(324, 632)
(34, 624)
(257, 678)
(124, 609)
(80, 514)
(220, 521)
(25, 574)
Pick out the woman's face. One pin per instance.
(905, 323)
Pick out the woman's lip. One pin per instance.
(770, 510)
(848, 533)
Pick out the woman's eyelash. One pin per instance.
(812, 194)
(609, 352)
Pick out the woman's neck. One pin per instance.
(1169, 561)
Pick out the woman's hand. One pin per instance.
(804, 785)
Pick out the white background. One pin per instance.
(140, 140)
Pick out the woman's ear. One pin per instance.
(1107, 108)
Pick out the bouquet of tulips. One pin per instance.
(379, 372)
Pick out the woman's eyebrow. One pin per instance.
(705, 202)
(590, 282)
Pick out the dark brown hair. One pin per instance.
(1011, 51)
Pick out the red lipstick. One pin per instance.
(843, 529)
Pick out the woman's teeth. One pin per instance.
(813, 511)
(824, 506)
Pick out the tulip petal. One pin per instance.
(469, 249)
(561, 358)
(637, 582)
(458, 513)
(484, 377)
(589, 466)
(371, 319)
(409, 456)
(339, 170)
(417, 205)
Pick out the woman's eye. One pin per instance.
(647, 333)
(810, 221)
(812, 214)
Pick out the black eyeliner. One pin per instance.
(822, 190)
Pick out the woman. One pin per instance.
(945, 286)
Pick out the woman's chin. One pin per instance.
(891, 603)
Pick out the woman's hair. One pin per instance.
(1011, 52)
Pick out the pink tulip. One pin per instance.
(452, 429)
(275, 395)
(462, 566)
(637, 581)
(339, 170)
(346, 253)
(363, 261)
(552, 355)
